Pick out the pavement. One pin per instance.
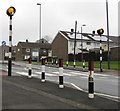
(19, 92)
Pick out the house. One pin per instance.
(63, 44)
(36, 50)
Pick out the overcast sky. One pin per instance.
(56, 15)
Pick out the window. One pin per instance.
(88, 43)
(27, 50)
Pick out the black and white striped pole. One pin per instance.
(10, 12)
(100, 32)
(30, 68)
(101, 55)
(43, 70)
(61, 73)
(91, 79)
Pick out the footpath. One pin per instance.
(19, 92)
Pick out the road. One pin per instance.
(105, 85)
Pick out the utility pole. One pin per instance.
(75, 43)
(108, 34)
(39, 31)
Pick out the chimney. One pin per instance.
(27, 40)
(72, 30)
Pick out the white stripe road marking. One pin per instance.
(63, 74)
(79, 73)
(101, 94)
(84, 77)
(33, 74)
(86, 73)
(48, 74)
(101, 75)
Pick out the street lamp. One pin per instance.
(39, 30)
(82, 41)
(10, 12)
(108, 34)
(75, 43)
(40, 23)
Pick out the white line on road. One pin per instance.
(100, 94)
(63, 74)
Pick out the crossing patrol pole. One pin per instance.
(100, 32)
(10, 12)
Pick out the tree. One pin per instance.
(45, 39)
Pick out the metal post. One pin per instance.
(10, 48)
(82, 59)
(101, 55)
(108, 34)
(75, 43)
(39, 30)
(30, 68)
(91, 80)
(43, 70)
(40, 23)
(81, 45)
(61, 73)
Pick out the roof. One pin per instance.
(85, 36)
(34, 45)
(115, 39)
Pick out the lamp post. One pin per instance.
(10, 12)
(75, 43)
(39, 30)
(40, 22)
(82, 41)
(108, 34)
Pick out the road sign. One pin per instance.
(3, 43)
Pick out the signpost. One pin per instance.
(10, 12)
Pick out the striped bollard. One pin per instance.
(52, 61)
(56, 62)
(61, 73)
(67, 63)
(91, 80)
(83, 65)
(30, 68)
(43, 70)
(74, 64)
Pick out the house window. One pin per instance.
(27, 50)
(18, 50)
(88, 43)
